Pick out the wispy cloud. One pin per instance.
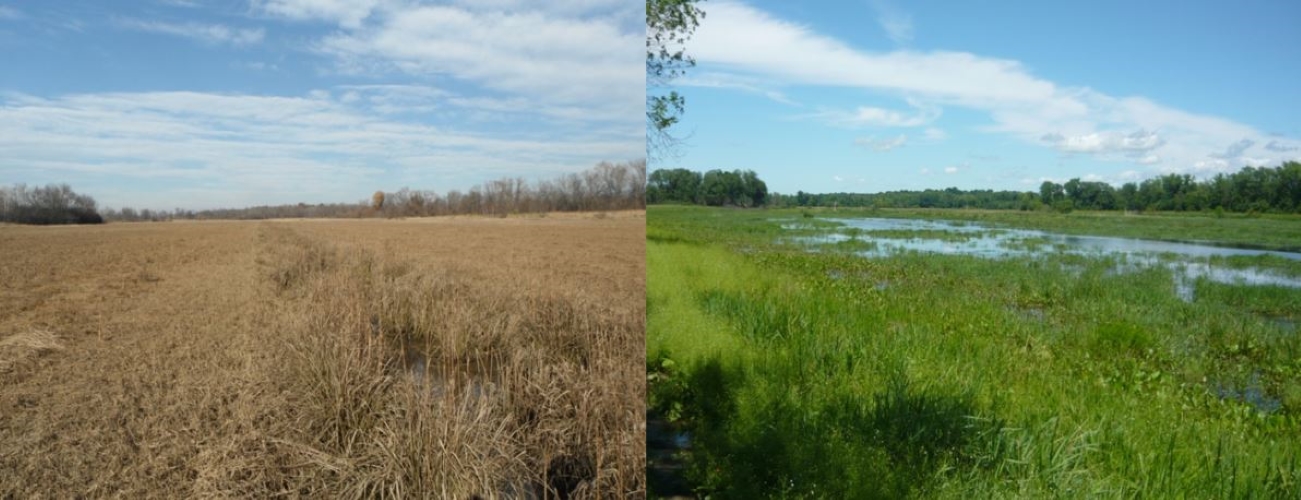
(572, 53)
(347, 13)
(882, 144)
(729, 81)
(248, 149)
(898, 25)
(1281, 147)
(8, 13)
(751, 43)
(212, 34)
(868, 116)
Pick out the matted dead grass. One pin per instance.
(356, 358)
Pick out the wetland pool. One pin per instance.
(1188, 261)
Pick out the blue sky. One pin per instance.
(201, 104)
(870, 96)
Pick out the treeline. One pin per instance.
(1252, 189)
(52, 204)
(930, 198)
(741, 188)
(607, 186)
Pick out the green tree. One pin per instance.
(1050, 192)
(669, 23)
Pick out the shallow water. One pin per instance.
(1251, 392)
(1187, 261)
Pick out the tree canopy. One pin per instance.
(741, 188)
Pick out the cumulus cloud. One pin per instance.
(212, 34)
(883, 144)
(752, 43)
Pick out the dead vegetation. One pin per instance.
(448, 359)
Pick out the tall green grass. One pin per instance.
(826, 375)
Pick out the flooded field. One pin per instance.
(1187, 261)
(972, 359)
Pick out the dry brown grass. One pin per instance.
(423, 358)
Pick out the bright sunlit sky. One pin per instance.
(869, 96)
(229, 103)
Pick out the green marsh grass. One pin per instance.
(799, 375)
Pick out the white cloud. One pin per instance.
(212, 34)
(1149, 160)
(274, 149)
(935, 134)
(189, 4)
(950, 170)
(728, 81)
(883, 144)
(592, 60)
(751, 43)
(1137, 142)
(9, 13)
(897, 24)
(347, 13)
(869, 116)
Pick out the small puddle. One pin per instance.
(1035, 314)
(1288, 325)
(1251, 393)
(665, 464)
(439, 379)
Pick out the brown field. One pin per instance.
(451, 358)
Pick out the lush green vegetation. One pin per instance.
(1251, 189)
(740, 188)
(824, 374)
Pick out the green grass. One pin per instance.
(827, 375)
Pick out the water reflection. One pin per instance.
(1188, 261)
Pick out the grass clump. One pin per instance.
(407, 381)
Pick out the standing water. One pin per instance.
(1187, 261)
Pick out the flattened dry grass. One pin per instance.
(18, 349)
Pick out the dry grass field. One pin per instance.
(445, 358)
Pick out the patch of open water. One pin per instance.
(1188, 261)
